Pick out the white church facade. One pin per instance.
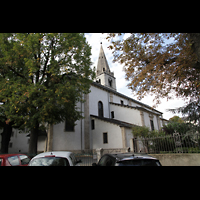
(108, 119)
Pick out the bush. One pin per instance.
(141, 131)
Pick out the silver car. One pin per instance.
(55, 158)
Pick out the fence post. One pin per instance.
(99, 153)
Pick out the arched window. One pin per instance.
(100, 109)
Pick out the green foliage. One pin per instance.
(141, 131)
(43, 76)
(181, 128)
(160, 63)
(191, 111)
(176, 119)
(163, 141)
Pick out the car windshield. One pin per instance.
(49, 161)
(139, 162)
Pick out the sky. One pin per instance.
(94, 40)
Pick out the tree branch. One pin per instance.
(13, 70)
(47, 59)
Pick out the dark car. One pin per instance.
(14, 160)
(127, 159)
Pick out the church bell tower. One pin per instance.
(103, 74)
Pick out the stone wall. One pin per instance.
(178, 159)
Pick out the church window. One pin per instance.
(92, 124)
(98, 80)
(122, 102)
(100, 109)
(12, 134)
(69, 126)
(105, 138)
(110, 82)
(104, 69)
(152, 125)
(112, 115)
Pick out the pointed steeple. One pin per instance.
(102, 65)
(103, 74)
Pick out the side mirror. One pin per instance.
(94, 164)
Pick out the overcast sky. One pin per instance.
(94, 40)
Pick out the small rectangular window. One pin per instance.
(152, 125)
(105, 138)
(12, 134)
(112, 115)
(92, 124)
(122, 102)
(69, 126)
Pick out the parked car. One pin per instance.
(127, 159)
(55, 158)
(14, 160)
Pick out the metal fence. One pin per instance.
(176, 143)
(87, 157)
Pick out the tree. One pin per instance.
(154, 65)
(140, 131)
(176, 119)
(5, 136)
(191, 111)
(42, 77)
(174, 126)
(145, 136)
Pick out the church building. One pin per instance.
(108, 119)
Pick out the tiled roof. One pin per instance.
(114, 121)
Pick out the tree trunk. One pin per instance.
(33, 140)
(50, 137)
(5, 137)
(195, 37)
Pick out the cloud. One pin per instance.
(94, 40)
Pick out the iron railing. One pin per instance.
(87, 157)
(176, 143)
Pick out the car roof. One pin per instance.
(128, 156)
(10, 154)
(55, 153)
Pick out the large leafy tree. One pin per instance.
(42, 77)
(161, 64)
(154, 65)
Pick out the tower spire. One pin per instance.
(103, 74)
(102, 65)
